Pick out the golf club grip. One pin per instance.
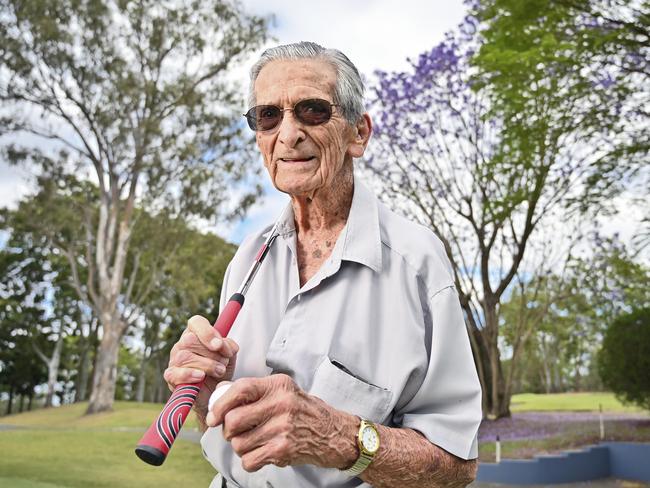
(159, 438)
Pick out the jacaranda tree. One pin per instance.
(441, 156)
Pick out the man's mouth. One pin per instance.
(297, 160)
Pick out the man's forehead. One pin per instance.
(284, 74)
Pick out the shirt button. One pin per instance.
(298, 298)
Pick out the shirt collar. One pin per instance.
(361, 235)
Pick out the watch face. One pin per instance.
(370, 439)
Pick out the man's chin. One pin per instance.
(296, 188)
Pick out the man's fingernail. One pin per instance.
(215, 343)
(220, 369)
(210, 420)
(197, 375)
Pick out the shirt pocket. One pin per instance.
(343, 391)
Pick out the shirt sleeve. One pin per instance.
(447, 407)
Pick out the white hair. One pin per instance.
(348, 93)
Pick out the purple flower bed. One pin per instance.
(538, 425)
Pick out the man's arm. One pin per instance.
(408, 459)
(272, 421)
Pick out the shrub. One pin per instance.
(624, 360)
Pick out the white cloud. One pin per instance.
(372, 33)
(14, 184)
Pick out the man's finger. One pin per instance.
(187, 359)
(175, 376)
(246, 417)
(255, 436)
(210, 337)
(243, 391)
(275, 452)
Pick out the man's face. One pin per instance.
(303, 159)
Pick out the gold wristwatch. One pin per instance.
(368, 442)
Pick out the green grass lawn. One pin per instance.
(124, 414)
(59, 447)
(575, 402)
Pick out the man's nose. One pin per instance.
(291, 131)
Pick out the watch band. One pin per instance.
(362, 462)
(365, 457)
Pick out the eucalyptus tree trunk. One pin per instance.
(52, 363)
(110, 246)
(142, 378)
(10, 401)
(81, 385)
(105, 372)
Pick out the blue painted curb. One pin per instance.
(622, 460)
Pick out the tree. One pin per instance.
(569, 319)
(22, 314)
(189, 283)
(36, 282)
(624, 360)
(581, 67)
(439, 156)
(132, 96)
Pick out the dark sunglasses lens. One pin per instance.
(313, 111)
(263, 117)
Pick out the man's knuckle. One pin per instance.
(282, 447)
(238, 445)
(249, 463)
(195, 323)
(183, 357)
(284, 403)
(232, 419)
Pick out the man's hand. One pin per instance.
(272, 421)
(201, 354)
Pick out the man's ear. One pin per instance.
(361, 136)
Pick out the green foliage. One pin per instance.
(624, 360)
(562, 319)
(136, 93)
(134, 97)
(571, 73)
(177, 270)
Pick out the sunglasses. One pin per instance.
(312, 111)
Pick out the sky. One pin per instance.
(374, 34)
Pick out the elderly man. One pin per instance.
(353, 365)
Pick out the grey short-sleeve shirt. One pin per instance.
(377, 332)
